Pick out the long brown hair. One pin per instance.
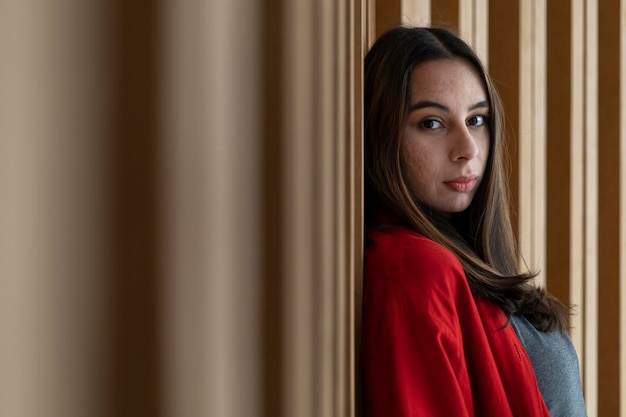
(481, 237)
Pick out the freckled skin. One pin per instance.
(445, 141)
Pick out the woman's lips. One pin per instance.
(462, 184)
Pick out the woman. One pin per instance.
(451, 325)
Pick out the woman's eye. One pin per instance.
(430, 124)
(478, 120)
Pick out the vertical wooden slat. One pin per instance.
(347, 194)
(135, 203)
(362, 36)
(370, 21)
(325, 175)
(538, 117)
(622, 213)
(504, 60)
(415, 12)
(467, 20)
(387, 14)
(359, 40)
(525, 138)
(558, 85)
(481, 30)
(591, 207)
(577, 201)
(473, 26)
(532, 135)
(273, 154)
(342, 330)
(608, 207)
(445, 13)
(296, 177)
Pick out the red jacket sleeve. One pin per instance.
(412, 349)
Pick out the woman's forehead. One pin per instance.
(447, 81)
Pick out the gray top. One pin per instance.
(556, 367)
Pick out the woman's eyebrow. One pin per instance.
(480, 105)
(426, 103)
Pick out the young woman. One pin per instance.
(452, 326)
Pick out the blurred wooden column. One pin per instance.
(53, 127)
(262, 149)
(211, 119)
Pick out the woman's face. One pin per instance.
(445, 141)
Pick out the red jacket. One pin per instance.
(429, 347)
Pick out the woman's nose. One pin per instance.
(464, 144)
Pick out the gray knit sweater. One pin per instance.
(556, 367)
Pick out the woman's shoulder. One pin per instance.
(401, 244)
(403, 257)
